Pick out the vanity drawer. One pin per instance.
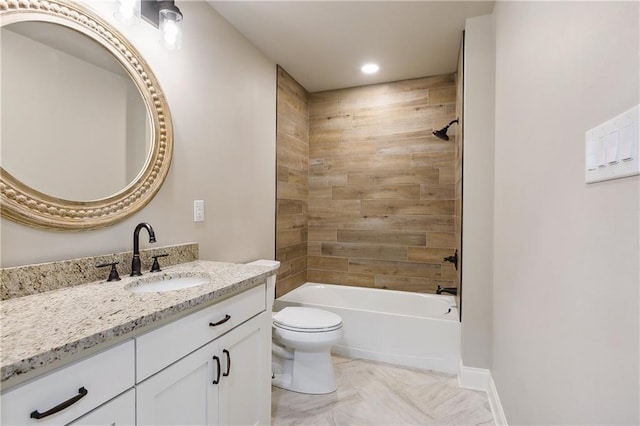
(120, 411)
(159, 348)
(99, 377)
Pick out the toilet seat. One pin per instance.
(306, 320)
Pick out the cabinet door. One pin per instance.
(120, 411)
(245, 393)
(183, 393)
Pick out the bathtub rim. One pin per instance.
(455, 317)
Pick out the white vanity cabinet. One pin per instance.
(209, 368)
(222, 383)
(69, 392)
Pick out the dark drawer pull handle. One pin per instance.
(82, 392)
(222, 321)
(217, 380)
(226, 352)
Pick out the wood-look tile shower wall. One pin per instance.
(381, 188)
(292, 167)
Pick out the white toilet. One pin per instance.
(301, 345)
(302, 341)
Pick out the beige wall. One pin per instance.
(478, 177)
(566, 259)
(221, 91)
(292, 183)
(381, 187)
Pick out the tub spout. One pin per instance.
(450, 290)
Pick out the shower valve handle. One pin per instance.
(453, 259)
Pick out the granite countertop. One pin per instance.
(44, 329)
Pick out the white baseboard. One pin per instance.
(442, 365)
(480, 379)
(474, 378)
(499, 418)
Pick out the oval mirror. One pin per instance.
(86, 132)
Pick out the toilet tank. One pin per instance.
(271, 281)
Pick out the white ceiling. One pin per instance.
(323, 44)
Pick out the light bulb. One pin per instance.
(171, 28)
(170, 33)
(370, 68)
(128, 11)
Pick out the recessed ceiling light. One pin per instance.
(370, 68)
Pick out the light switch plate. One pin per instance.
(198, 210)
(612, 149)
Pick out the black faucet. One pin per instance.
(135, 262)
(450, 290)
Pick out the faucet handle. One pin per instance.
(156, 265)
(113, 274)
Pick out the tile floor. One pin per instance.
(372, 393)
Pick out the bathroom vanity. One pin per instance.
(187, 345)
(103, 353)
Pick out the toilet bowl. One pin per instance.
(301, 345)
(301, 342)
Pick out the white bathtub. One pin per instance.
(402, 328)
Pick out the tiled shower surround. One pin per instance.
(292, 185)
(380, 188)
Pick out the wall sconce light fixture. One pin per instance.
(167, 17)
(162, 14)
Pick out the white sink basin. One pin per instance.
(165, 283)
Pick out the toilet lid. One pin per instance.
(306, 319)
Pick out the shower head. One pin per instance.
(442, 133)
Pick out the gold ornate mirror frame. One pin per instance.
(22, 204)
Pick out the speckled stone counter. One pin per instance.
(22, 281)
(54, 327)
